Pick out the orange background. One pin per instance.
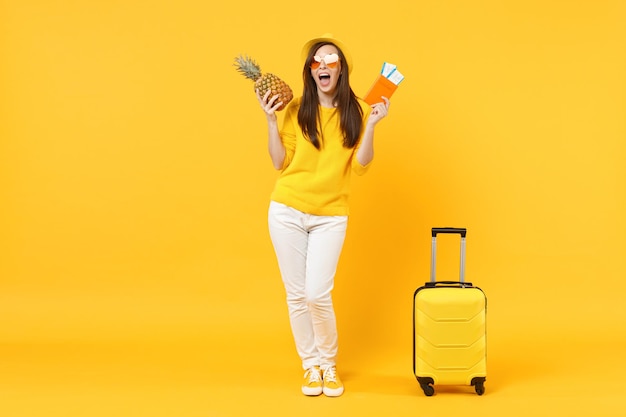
(136, 272)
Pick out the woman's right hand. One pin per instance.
(269, 104)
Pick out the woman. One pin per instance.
(326, 134)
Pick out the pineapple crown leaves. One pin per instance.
(247, 67)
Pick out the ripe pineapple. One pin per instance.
(250, 69)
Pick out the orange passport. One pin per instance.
(381, 87)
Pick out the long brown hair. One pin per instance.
(350, 111)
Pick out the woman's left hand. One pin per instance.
(379, 111)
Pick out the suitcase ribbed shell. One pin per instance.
(450, 334)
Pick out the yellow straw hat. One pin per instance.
(327, 37)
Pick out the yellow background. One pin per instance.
(136, 273)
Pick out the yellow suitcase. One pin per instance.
(449, 329)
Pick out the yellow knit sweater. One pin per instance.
(317, 181)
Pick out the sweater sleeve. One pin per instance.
(357, 168)
(288, 131)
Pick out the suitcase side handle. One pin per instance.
(460, 284)
(449, 230)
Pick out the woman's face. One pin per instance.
(325, 69)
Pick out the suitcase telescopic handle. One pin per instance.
(449, 230)
(433, 260)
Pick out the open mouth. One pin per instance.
(324, 79)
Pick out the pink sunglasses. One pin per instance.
(330, 60)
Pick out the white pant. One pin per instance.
(308, 248)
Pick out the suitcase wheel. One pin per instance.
(427, 386)
(479, 385)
